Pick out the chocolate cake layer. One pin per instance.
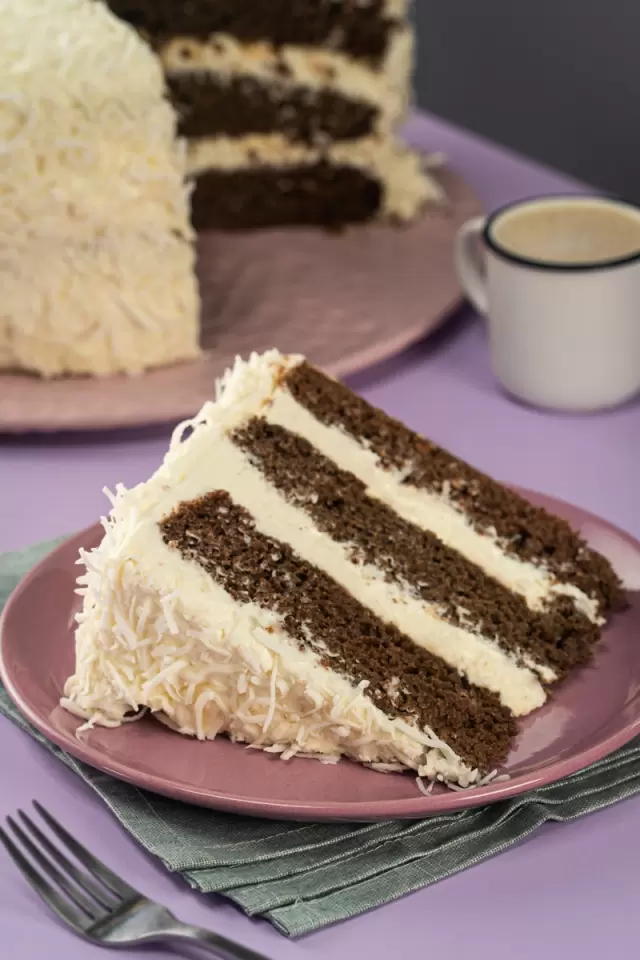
(210, 105)
(527, 531)
(463, 594)
(221, 537)
(315, 195)
(344, 25)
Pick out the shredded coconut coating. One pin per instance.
(96, 255)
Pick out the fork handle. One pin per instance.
(213, 943)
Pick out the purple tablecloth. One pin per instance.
(572, 889)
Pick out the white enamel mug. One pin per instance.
(558, 279)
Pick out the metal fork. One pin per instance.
(95, 902)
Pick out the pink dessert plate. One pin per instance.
(344, 300)
(593, 714)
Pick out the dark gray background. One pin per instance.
(558, 80)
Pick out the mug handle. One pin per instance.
(471, 264)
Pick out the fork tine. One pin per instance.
(65, 910)
(80, 900)
(84, 880)
(95, 866)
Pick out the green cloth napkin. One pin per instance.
(301, 877)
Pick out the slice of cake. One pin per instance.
(307, 575)
(96, 257)
(290, 108)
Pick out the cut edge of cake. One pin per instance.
(249, 83)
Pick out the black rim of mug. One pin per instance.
(555, 266)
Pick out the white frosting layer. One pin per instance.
(387, 88)
(395, 9)
(93, 202)
(406, 187)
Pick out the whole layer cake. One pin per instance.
(290, 108)
(96, 257)
(307, 575)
